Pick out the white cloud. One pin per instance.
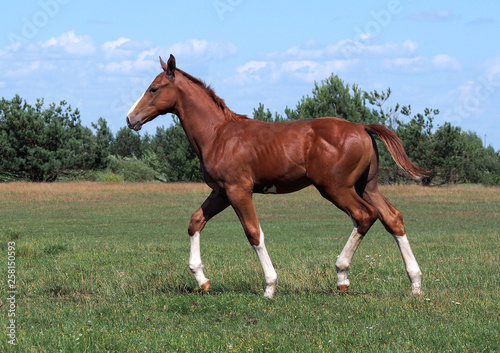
(473, 97)
(252, 71)
(124, 66)
(110, 46)
(492, 71)
(420, 64)
(304, 53)
(409, 65)
(254, 66)
(297, 66)
(446, 62)
(71, 44)
(140, 56)
(466, 90)
(277, 70)
(23, 69)
(370, 47)
(202, 49)
(117, 48)
(410, 45)
(311, 62)
(144, 61)
(310, 71)
(339, 65)
(69, 52)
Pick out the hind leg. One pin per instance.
(343, 263)
(392, 220)
(363, 216)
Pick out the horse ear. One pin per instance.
(169, 67)
(163, 65)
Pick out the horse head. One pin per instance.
(160, 97)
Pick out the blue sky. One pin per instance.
(101, 55)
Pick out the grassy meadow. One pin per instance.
(102, 267)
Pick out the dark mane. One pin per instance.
(228, 113)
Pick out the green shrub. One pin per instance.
(108, 176)
(132, 169)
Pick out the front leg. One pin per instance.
(245, 209)
(195, 263)
(214, 204)
(267, 266)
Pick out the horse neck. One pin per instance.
(199, 115)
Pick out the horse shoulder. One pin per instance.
(228, 150)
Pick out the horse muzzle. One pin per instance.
(134, 126)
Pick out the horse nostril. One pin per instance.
(135, 126)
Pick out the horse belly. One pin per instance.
(281, 179)
(279, 187)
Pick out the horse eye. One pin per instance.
(153, 89)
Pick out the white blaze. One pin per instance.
(135, 105)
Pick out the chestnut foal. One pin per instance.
(241, 156)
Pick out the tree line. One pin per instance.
(48, 143)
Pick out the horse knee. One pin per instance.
(197, 222)
(398, 228)
(365, 219)
(254, 235)
(394, 223)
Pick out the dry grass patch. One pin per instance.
(87, 186)
(89, 191)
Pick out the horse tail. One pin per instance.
(397, 151)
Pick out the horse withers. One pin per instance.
(241, 156)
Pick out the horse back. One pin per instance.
(278, 157)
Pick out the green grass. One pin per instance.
(103, 267)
